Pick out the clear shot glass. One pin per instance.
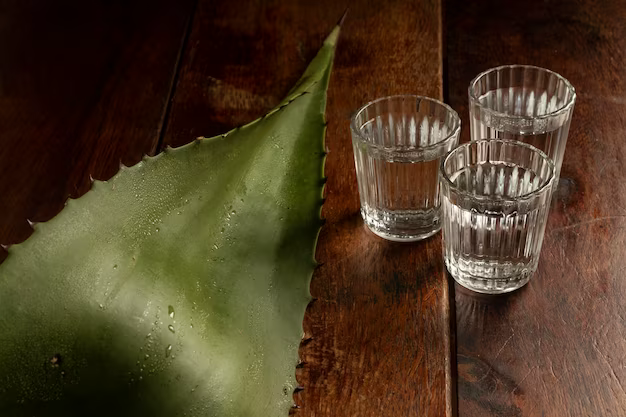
(521, 102)
(398, 144)
(496, 198)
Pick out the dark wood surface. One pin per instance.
(83, 85)
(556, 347)
(377, 337)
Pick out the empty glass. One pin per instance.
(525, 103)
(495, 197)
(398, 144)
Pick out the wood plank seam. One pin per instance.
(162, 129)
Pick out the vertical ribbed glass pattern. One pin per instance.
(520, 102)
(496, 197)
(398, 145)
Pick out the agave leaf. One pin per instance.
(179, 286)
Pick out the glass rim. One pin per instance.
(501, 198)
(441, 144)
(567, 106)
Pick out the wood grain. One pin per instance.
(558, 346)
(377, 338)
(83, 85)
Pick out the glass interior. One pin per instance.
(406, 123)
(521, 90)
(497, 169)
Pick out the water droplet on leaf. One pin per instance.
(56, 360)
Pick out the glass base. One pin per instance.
(402, 226)
(500, 285)
(403, 237)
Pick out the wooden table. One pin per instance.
(84, 85)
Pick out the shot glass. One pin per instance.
(398, 144)
(521, 102)
(496, 197)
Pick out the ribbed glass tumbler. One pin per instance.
(521, 102)
(495, 197)
(398, 144)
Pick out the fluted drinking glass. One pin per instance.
(398, 144)
(495, 197)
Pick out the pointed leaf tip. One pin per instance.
(331, 39)
(316, 76)
(343, 17)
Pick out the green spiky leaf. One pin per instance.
(178, 287)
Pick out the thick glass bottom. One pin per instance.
(402, 226)
(496, 284)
